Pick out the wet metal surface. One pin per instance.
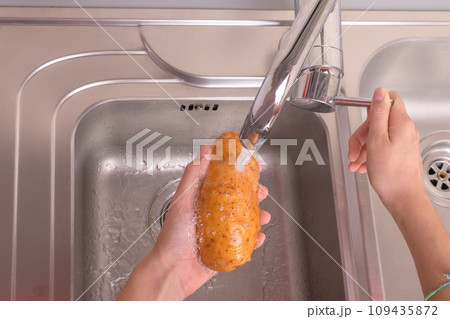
(114, 200)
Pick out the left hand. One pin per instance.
(180, 271)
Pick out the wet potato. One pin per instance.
(228, 209)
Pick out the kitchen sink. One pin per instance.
(113, 201)
(78, 206)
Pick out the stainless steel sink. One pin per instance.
(418, 69)
(113, 201)
(72, 206)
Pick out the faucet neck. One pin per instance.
(286, 68)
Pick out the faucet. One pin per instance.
(308, 66)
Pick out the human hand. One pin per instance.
(173, 269)
(386, 146)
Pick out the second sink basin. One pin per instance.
(113, 200)
(418, 69)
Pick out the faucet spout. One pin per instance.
(285, 70)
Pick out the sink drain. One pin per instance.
(439, 174)
(160, 206)
(436, 163)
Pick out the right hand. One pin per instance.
(386, 146)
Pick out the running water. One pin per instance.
(243, 159)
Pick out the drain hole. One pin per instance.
(193, 107)
(438, 175)
(435, 150)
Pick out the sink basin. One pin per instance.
(72, 205)
(113, 201)
(418, 69)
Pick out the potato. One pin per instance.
(228, 210)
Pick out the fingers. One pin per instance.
(262, 192)
(193, 172)
(260, 240)
(398, 106)
(357, 141)
(379, 115)
(363, 168)
(355, 165)
(400, 124)
(264, 217)
(357, 153)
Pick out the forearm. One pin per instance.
(153, 279)
(427, 239)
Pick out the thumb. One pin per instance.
(379, 114)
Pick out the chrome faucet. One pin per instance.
(309, 65)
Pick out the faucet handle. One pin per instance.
(330, 106)
(316, 88)
(353, 101)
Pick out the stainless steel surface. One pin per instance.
(438, 175)
(199, 80)
(319, 93)
(72, 102)
(351, 101)
(285, 69)
(114, 201)
(418, 69)
(154, 4)
(191, 22)
(160, 206)
(320, 79)
(309, 65)
(316, 89)
(236, 4)
(436, 166)
(142, 22)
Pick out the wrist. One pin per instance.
(406, 204)
(153, 279)
(170, 285)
